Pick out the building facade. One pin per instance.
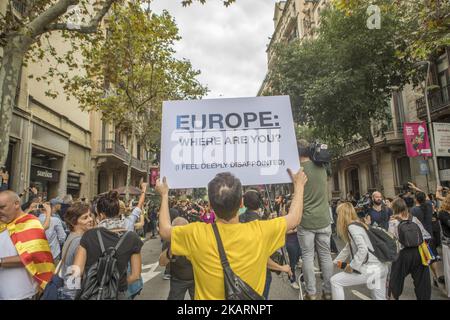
(50, 140)
(59, 148)
(110, 156)
(295, 20)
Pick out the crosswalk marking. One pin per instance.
(360, 295)
(148, 275)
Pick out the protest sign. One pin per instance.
(253, 138)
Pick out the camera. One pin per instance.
(363, 205)
(317, 152)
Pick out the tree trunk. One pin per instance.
(127, 186)
(374, 160)
(13, 55)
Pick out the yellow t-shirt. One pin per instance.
(248, 246)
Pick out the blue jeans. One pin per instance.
(294, 252)
(267, 286)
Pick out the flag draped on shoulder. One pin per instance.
(28, 236)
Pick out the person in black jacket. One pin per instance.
(181, 272)
(423, 211)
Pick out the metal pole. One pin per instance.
(430, 128)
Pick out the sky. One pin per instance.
(228, 45)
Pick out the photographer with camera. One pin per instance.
(378, 214)
(33, 195)
(314, 231)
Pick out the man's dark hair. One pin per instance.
(108, 204)
(252, 200)
(303, 148)
(225, 194)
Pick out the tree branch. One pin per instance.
(91, 27)
(39, 24)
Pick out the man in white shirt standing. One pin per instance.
(16, 282)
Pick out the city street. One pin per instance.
(156, 288)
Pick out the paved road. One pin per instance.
(156, 288)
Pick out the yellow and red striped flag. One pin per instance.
(28, 236)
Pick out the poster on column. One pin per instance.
(416, 139)
(253, 138)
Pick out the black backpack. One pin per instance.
(235, 287)
(409, 234)
(102, 280)
(385, 246)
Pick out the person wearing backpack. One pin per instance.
(423, 211)
(110, 245)
(411, 234)
(363, 266)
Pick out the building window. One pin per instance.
(443, 76)
(336, 181)
(104, 132)
(138, 154)
(399, 109)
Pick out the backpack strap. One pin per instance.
(223, 256)
(350, 245)
(121, 240)
(100, 240)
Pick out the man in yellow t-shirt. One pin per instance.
(248, 246)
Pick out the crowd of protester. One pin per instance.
(75, 249)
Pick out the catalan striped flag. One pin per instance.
(28, 236)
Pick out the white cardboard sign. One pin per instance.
(253, 138)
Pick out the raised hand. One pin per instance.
(161, 187)
(299, 179)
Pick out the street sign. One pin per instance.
(442, 139)
(423, 167)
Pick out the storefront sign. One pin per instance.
(43, 173)
(73, 182)
(253, 138)
(416, 139)
(442, 139)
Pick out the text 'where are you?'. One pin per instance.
(240, 135)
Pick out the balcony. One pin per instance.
(439, 101)
(111, 147)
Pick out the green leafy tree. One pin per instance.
(24, 37)
(341, 82)
(129, 74)
(425, 24)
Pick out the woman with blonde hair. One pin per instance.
(359, 264)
